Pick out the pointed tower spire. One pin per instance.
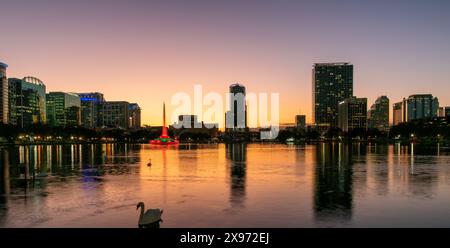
(164, 139)
(164, 113)
(164, 129)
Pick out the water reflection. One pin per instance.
(329, 184)
(237, 154)
(189, 156)
(333, 181)
(26, 171)
(4, 185)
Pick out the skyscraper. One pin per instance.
(331, 84)
(378, 115)
(236, 117)
(400, 112)
(135, 115)
(434, 106)
(63, 109)
(422, 106)
(441, 112)
(115, 114)
(352, 114)
(91, 106)
(447, 112)
(27, 101)
(3, 94)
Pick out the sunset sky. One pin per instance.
(146, 51)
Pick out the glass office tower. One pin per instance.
(236, 117)
(91, 107)
(422, 106)
(3, 94)
(378, 115)
(27, 101)
(331, 84)
(63, 109)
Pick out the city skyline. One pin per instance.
(336, 81)
(158, 47)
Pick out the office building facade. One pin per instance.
(378, 114)
(331, 84)
(441, 112)
(115, 114)
(400, 112)
(352, 114)
(135, 115)
(3, 94)
(422, 106)
(91, 108)
(27, 101)
(63, 109)
(236, 117)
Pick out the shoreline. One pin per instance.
(302, 142)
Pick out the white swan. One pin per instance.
(151, 217)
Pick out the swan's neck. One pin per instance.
(142, 212)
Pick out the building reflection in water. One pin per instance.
(4, 184)
(423, 176)
(43, 182)
(26, 168)
(189, 154)
(333, 181)
(237, 154)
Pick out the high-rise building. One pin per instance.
(236, 117)
(300, 121)
(3, 94)
(422, 106)
(378, 115)
(135, 115)
(115, 114)
(27, 101)
(417, 106)
(352, 114)
(441, 112)
(447, 112)
(434, 107)
(331, 84)
(63, 109)
(91, 106)
(400, 112)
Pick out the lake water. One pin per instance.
(254, 185)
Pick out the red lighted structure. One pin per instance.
(164, 138)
